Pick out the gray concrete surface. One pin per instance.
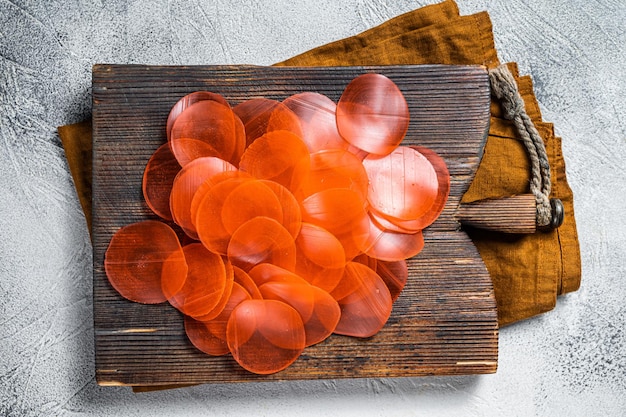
(571, 361)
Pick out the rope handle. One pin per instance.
(504, 88)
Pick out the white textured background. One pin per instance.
(571, 361)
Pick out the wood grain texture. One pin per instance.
(445, 321)
(515, 214)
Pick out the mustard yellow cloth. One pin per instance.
(528, 271)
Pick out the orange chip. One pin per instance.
(395, 274)
(247, 283)
(325, 317)
(206, 128)
(221, 304)
(403, 184)
(443, 179)
(326, 169)
(391, 224)
(292, 215)
(137, 256)
(208, 215)
(320, 312)
(392, 246)
(187, 183)
(204, 188)
(335, 209)
(262, 115)
(320, 246)
(158, 178)
(411, 226)
(265, 336)
(254, 114)
(250, 199)
(267, 272)
(210, 336)
(172, 277)
(187, 101)
(205, 283)
(297, 295)
(366, 309)
(320, 257)
(372, 114)
(262, 240)
(316, 113)
(274, 156)
(342, 213)
(282, 118)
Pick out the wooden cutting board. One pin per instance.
(444, 322)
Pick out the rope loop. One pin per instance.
(504, 88)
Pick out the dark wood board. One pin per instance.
(444, 322)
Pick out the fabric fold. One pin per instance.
(76, 141)
(461, 40)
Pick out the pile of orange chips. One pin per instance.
(296, 218)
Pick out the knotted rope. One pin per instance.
(504, 88)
